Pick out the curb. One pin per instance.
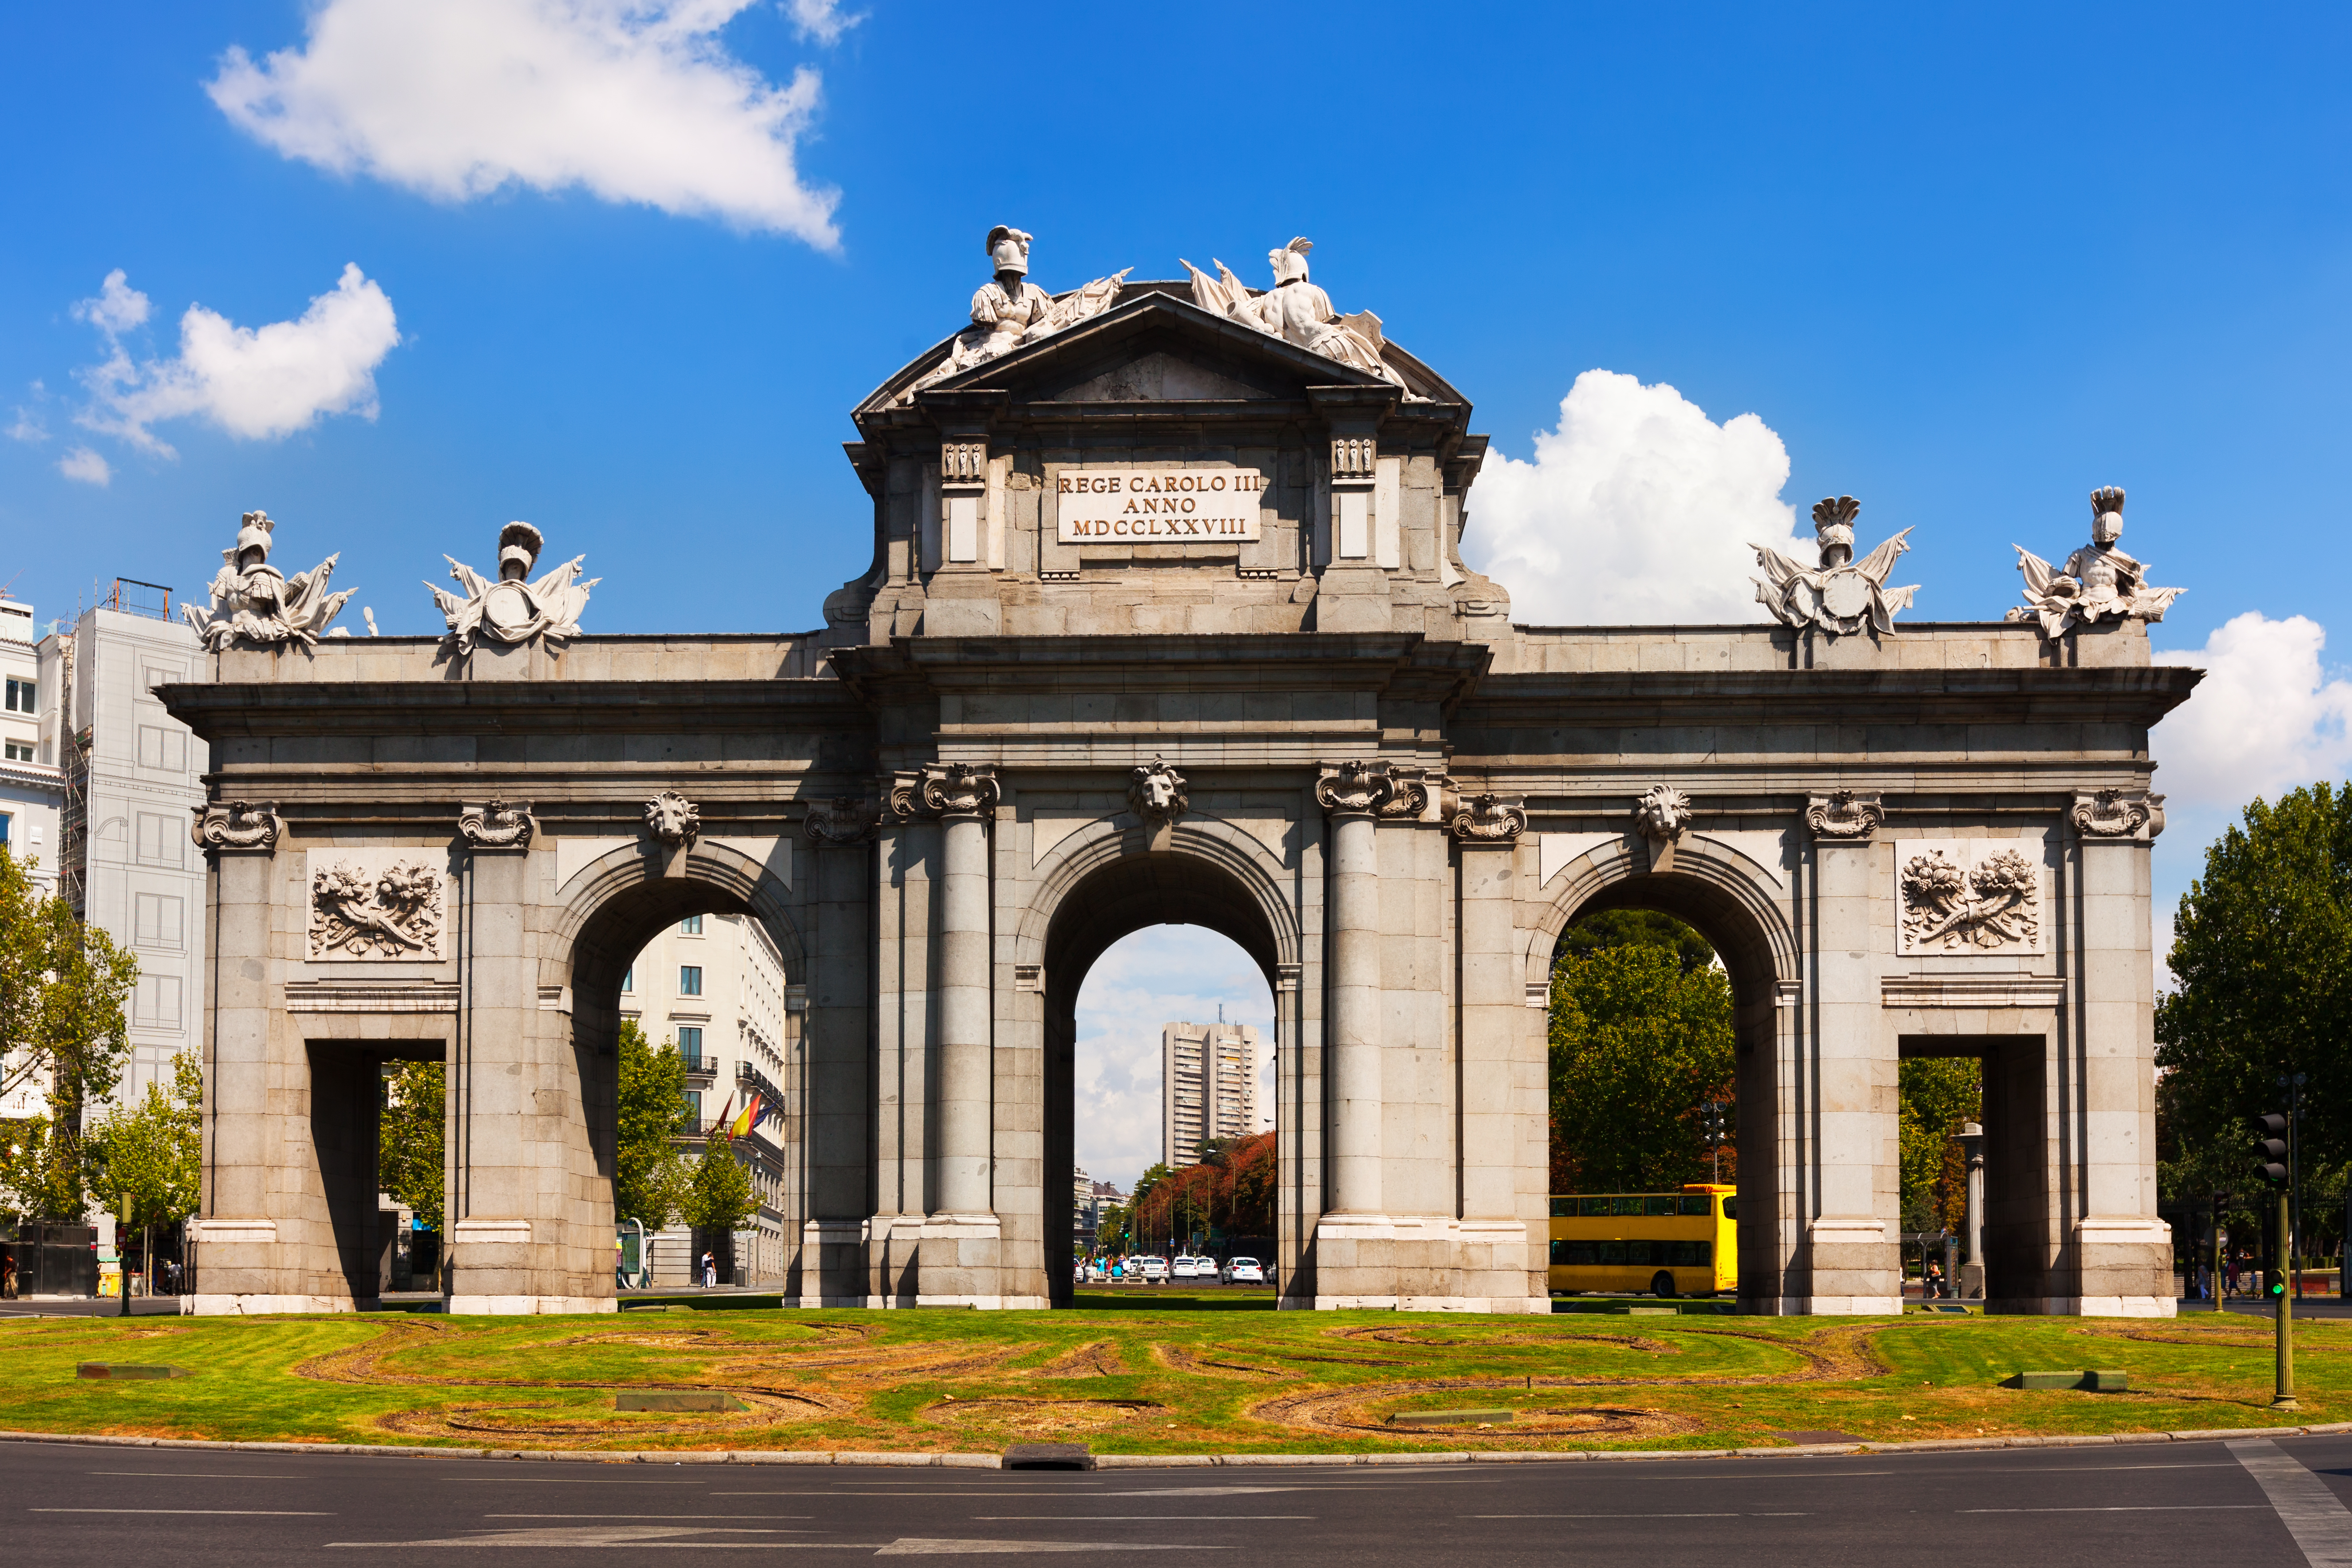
(1180, 1462)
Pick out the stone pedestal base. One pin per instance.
(834, 1263)
(959, 1263)
(529, 1306)
(1423, 1263)
(1855, 1270)
(239, 1304)
(1972, 1281)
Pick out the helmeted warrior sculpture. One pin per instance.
(1840, 595)
(1294, 310)
(512, 610)
(2100, 582)
(254, 601)
(1009, 311)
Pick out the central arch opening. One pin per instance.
(1743, 1094)
(1165, 931)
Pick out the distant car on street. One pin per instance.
(1155, 1270)
(1244, 1271)
(1185, 1268)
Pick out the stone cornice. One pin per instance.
(311, 709)
(1762, 698)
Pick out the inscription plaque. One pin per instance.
(1183, 505)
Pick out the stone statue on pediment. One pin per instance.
(512, 610)
(1010, 311)
(255, 603)
(1841, 596)
(1295, 311)
(2099, 581)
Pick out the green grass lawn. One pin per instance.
(1147, 1372)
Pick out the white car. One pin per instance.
(1186, 1268)
(1244, 1271)
(1155, 1270)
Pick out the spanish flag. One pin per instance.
(747, 1118)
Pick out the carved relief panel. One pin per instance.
(373, 905)
(1969, 897)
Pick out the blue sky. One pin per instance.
(1962, 263)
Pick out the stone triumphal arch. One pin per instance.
(1168, 622)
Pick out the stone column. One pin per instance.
(836, 1094)
(1849, 1231)
(519, 1239)
(253, 1141)
(2123, 1251)
(1502, 1068)
(1354, 1240)
(960, 1236)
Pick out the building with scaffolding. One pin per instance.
(128, 776)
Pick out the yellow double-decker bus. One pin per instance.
(1668, 1243)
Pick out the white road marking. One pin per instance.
(203, 1475)
(247, 1513)
(920, 1546)
(724, 1518)
(1612, 1516)
(2128, 1508)
(1114, 1517)
(2307, 1506)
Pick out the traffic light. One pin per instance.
(2270, 1149)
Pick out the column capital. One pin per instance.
(1354, 788)
(2117, 815)
(497, 825)
(1844, 816)
(959, 789)
(1489, 821)
(237, 825)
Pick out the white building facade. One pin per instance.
(714, 986)
(32, 790)
(1209, 1075)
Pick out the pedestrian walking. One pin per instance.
(709, 1270)
(1931, 1284)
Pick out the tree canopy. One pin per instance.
(1641, 1035)
(2262, 948)
(650, 1178)
(1940, 1093)
(62, 989)
(146, 1160)
(410, 1155)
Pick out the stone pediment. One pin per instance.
(1155, 345)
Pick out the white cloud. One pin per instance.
(1163, 975)
(633, 100)
(2266, 718)
(1637, 508)
(257, 384)
(820, 19)
(118, 308)
(82, 463)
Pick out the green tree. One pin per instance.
(411, 1158)
(145, 1161)
(2262, 950)
(650, 1178)
(721, 1196)
(62, 989)
(1640, 1035)
(1605, 928)
(1938, 1093)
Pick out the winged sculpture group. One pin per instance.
(255, 605)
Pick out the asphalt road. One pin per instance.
(2245, 1504)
